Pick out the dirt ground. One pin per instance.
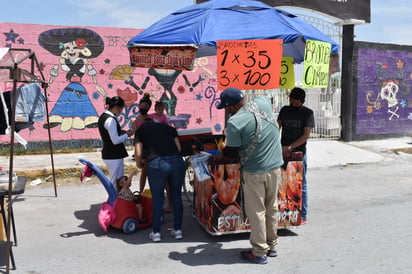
(403, 150)
(64, 177)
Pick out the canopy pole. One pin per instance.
(11, 167)
(348, 99)
(44, 85)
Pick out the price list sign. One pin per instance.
(287, 73)
(316, 64)
(249, 64)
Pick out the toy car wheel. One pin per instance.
(129, 226)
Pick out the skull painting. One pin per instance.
(388, 92)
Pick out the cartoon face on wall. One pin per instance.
(384, 81)
(74, 47)
(389, 91)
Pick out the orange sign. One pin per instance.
(249, 64)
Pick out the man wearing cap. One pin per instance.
(296, 122)
(252, 135)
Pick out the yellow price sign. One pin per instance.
(316, 64)
(287, 73)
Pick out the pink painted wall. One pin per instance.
(84, 64)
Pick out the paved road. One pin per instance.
(359, 222)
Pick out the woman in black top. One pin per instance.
(161, 148)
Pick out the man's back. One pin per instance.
(268, 153)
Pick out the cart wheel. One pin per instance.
(129, 226)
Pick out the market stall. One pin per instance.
(254, 55)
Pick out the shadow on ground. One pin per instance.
(193, 231)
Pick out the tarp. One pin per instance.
(215, 20)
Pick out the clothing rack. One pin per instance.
(23, 67)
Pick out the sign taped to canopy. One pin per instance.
(179, 57)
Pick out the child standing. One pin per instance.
(159, 115)
(124, 192)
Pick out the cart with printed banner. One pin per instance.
(218, 197)
(217, 203)
(290, 190)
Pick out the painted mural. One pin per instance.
(384, 100)
(83, 65)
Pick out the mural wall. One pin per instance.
(83, 65)
(384, 81)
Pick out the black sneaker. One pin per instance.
(272, 253)
(249, 256)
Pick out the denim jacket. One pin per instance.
(30, 104)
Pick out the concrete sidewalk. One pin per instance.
(328, 153)
(321, 154)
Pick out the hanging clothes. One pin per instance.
(5, 111)
(30, 104)
(5, 115)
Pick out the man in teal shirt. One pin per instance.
(252, 135)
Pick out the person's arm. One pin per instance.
(177, 142)
(280, 124)
(130, 178)
(138, 151)
(134, 125)
(111, 127)
(280, 117)
(301, 140)
(232, 144)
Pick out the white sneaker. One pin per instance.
(155, 237)
(177, 234)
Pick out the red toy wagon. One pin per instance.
(117, 212)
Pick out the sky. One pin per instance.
(391, 20)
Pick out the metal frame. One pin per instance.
(21, 75)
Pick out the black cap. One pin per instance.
(230, 97)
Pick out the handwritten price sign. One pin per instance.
(316, 64)
(249, 64)
(287, 73)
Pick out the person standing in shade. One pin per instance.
(113, 137)
(252, 135)
(296, 122)
(144, 106)
(159, 145)
(159, 117)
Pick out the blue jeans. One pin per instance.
(160, 170)
(304, 188)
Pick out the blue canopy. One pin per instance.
(204, 24)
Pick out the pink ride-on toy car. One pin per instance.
(117, 212)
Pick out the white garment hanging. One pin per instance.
(19, 139)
